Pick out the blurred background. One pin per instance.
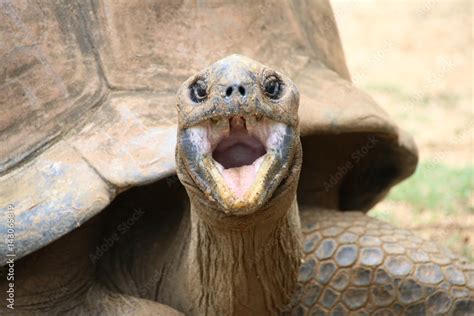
(415, 58)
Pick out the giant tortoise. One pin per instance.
(258, 220)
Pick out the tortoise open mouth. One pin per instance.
(239, 159)
(239, 152)
(238, 147)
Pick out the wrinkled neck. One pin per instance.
(249, 271)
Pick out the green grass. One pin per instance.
(434, 193)
(455, 241)
(384, 215)
(438, 187)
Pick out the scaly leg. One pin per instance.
(355, 263)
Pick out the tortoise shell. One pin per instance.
(87, 101)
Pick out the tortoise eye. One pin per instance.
(198, 91)
(272, 87)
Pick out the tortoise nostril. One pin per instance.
(229, 91)
(242, 90)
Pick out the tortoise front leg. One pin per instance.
(101, 301)
(61, 279)
(355, 263)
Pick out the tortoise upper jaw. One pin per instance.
(238, 162)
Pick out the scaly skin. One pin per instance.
(357, 264)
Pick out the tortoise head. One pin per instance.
(237, 132)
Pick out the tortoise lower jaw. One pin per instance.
(239, 161)
(240, 190)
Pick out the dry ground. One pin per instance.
(416, 59)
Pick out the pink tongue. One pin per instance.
(240, 179)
